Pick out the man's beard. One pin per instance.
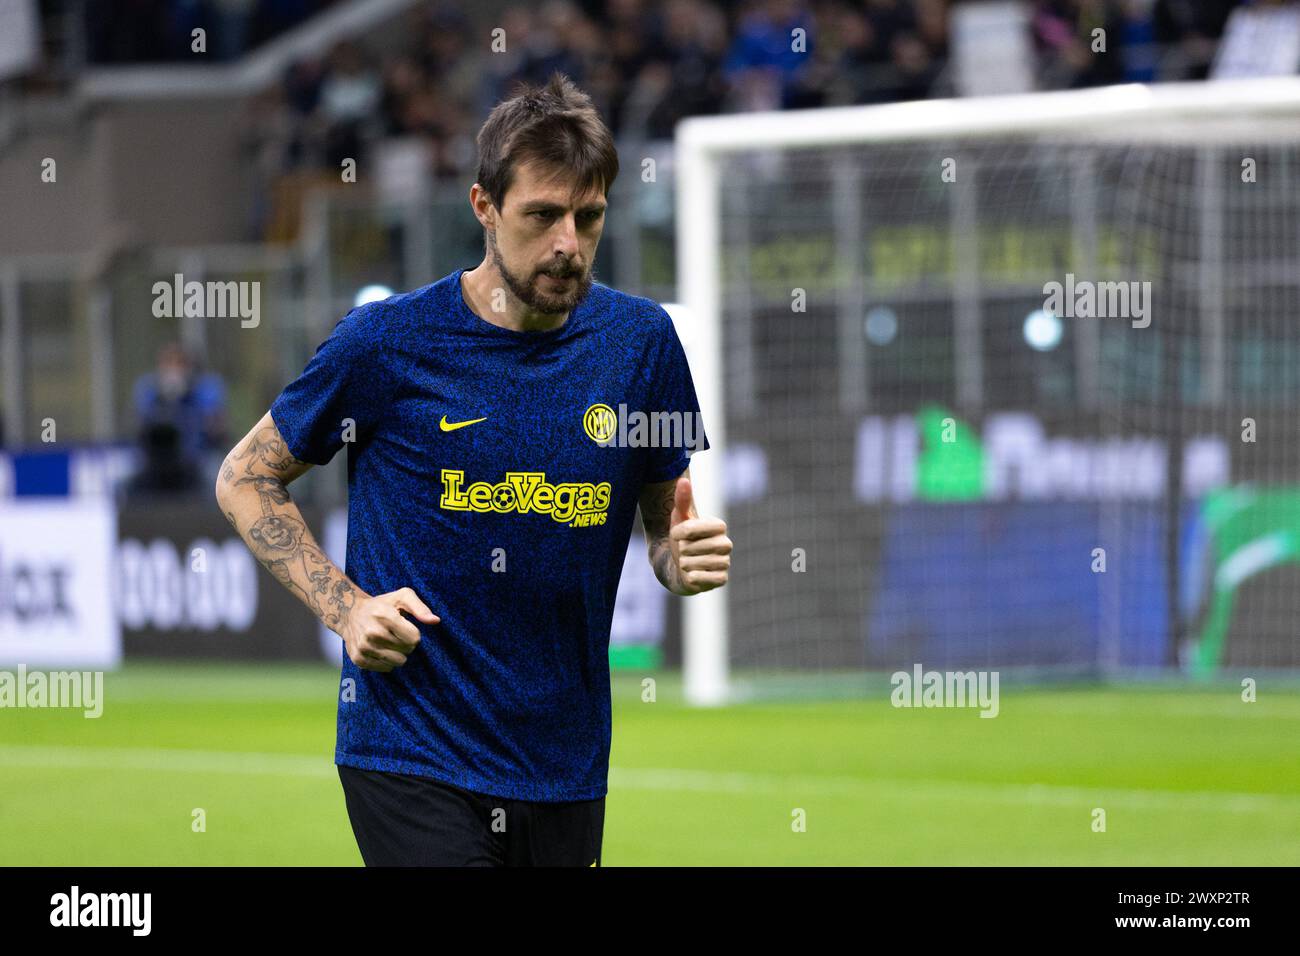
(539, 300)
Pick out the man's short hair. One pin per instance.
(554, 125)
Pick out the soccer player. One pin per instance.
(491, 498)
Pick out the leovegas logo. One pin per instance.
(579, 503)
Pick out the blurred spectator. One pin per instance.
(266, 136)
(1141, 55)
(182, 424)
(231, 22)
(1188, 32)
(556, 42)
(349, 97)
(1082, 42)
(767, 56)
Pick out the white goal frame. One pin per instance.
(702, 147)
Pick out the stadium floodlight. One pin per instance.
(881, 325)
(956, 213)
(371, 293)
(1043, 330)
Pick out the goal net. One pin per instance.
(1005, 384)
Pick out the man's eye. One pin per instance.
(542, 214)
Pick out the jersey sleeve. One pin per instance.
(673, 390)
(345, 382)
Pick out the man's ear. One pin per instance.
(483, 206)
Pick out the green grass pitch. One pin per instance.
(1186, 775)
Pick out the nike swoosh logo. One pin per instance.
(452, 426)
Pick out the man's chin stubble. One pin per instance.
(557, 305)
(544, 303)
(534, 298)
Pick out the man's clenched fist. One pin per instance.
(376, 635)
(700, 546)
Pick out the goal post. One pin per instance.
(704, 661)
(798, 230)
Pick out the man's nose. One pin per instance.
(566, 237)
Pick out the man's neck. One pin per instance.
(484, 287)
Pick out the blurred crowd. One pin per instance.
(423, 86)
(648, 63)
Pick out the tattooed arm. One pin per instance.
(689, 554)
(252, 490)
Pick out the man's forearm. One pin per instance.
(261, 510)
(665, 568)
(656, 510)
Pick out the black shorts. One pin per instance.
(404, 820)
